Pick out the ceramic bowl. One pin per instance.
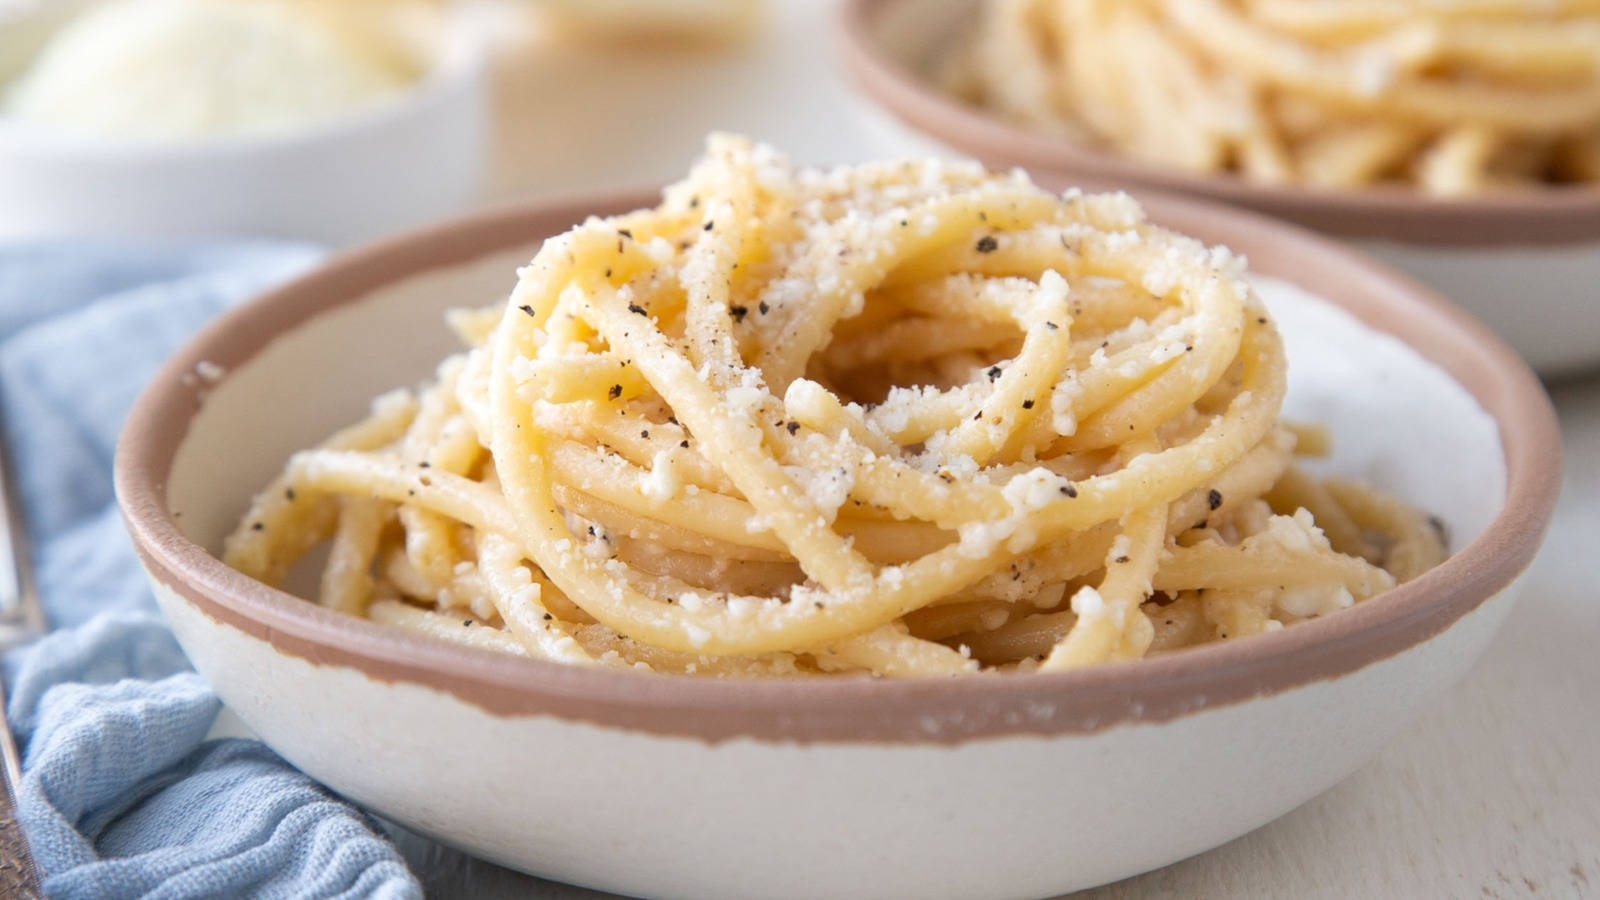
(676, 786)
(398, 163)
(1525, 263)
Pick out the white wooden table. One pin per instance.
(1493, 793)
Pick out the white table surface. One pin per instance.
(1493, 793)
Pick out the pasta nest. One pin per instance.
(904, 418)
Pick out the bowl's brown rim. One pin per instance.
(856, 709)
(1555, 216)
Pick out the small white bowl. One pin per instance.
(677, 786)
(1525, 262)
(399, 163)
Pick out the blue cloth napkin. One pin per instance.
(121, 794)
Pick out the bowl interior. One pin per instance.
(1397, 418)
(916, 35)
(317, 377)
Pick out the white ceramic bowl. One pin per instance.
(1525, 262)
(398, 163)
(676, 786)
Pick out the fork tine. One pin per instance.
(19, 600)
(21, 620)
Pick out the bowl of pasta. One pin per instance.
(1459, 143)
(1030, 533)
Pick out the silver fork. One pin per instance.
(21, 620)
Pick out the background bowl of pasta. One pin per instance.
(1460, 146)
(1006, 783)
